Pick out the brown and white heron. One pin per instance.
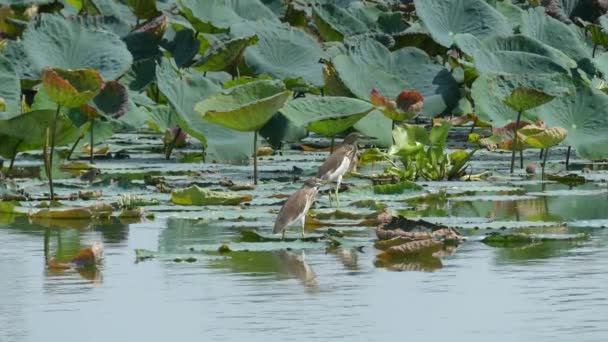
(340, 161)
(296, 206)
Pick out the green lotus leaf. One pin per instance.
(200, 196)
(214, 16)
(377, 125)
(326, 115)
(489, 91)
(58, 43)
(536, 24)
(371, 65)
(522, 99)
(282, 52)
(27, 131)
(143, 9)
(225, 55)
(280, 129)
(183, 92)
(246, 107)
(335, 23)
(581, 114)
(10, 91)
(408, 140)
(397, 188)
(446, 18)
(112, 100)
(515, 54)
(542, 137)
(71, 88)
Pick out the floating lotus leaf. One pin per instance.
(246, 107)
(326, 115)
(369, 65)
(71, 88)
(503, 137)
(446, 18)
(282, 52)
(58, 43)
(112, 100)
(218, 15)
(199, 196)
(63, 214)
(581, 114)
(522, 99)
(397, 188)
(225, 55)
(515, 54)
(183, 92)
(542, 137)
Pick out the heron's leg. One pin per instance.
(338, 188)
(302, 222)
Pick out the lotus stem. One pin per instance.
(14, 155)
(47, 239)
(542, 150)
(255, 157)
(544, 163)
(331, 147)
(568, 157)
(594, 49)
(74, 147)
(50, 166)
(171, 146)
(521, 158)
(92, 152)
(515, 142)
(472, 128)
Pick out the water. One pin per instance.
(480, 294)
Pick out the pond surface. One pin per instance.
(305, 291)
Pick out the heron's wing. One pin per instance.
(293, 207)
(334, 161)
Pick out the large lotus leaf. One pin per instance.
(582, 114)
(282, 52)
(29, 130)
(335, 23)
(183, 92)
(489, 91)
(536, 24)
(10, 90)
(143, 9)
(542, 137)
(326, 115)
(58, 43)
(113, 100)
(71, 88)
(516, 54)
(377, 125)
(224, 54)
(371, 65)
(246, 107)
(279, 129)
(525, 98)
(218, 15)
(446, 18)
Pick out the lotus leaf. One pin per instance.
(282, 52)
(326, 115)
(370, 65)
(246, 107)
(397, 188)
(112, 100)
(10, 92)
(335, 23)
(63, 214)
(490, 90)
(200, 196)
(516, 54)
(143, 9)
(446, 18)
(218, 15)
(377, 125)
(71, 88)
(542, 137)
(581, 115)
(522, 99)
(183, 92)
(225, 55)
(57, 43)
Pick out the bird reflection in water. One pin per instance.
(418, 263)
(296, 266)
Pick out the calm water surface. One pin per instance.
(480, 294)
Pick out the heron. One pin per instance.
(296, 206)
(340, 162)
